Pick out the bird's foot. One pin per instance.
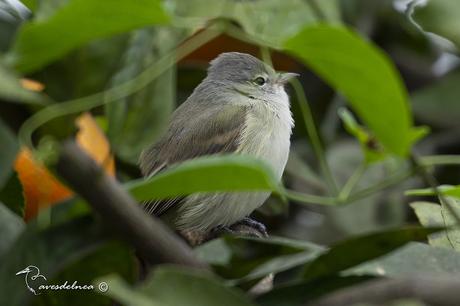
(250, 227)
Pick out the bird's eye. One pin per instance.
(259, 81)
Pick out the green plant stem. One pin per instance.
(439, 160)
(266, 56)
(391, 181)
(352, 181)
(304, 198)
(316, 9)
(313, 135)
(115, 93)
(430, 180)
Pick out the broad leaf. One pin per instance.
(10, 228)
(364, 75)
(39, 42)
(356, 250)
(175, 286)
(207, 174)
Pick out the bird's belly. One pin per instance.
(266, 137)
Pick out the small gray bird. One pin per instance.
(240, 107)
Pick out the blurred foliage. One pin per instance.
(377, 113)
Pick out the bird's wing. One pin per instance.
(197, 132)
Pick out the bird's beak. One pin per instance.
(283, 78)
(26, 270)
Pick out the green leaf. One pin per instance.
(430, 215)
(50, 249)
(9, 148)
(39, 42)
(12, 91)
(356, 250)
(175, 286)
(438, 104)
(440, 17)
(207, 174)
(136, 121)
(270, 21)
(30, 4)
(453, 231)
(364, 75)
(412, 259)
(10, 228)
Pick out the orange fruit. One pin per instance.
(40, 188)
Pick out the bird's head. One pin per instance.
(249, 76)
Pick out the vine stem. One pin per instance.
(313, 135)
(352, 181)
(115, 93)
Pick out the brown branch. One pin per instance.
(154, 241)
(439, 291)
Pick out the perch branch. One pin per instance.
(154, 241)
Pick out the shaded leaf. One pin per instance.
(12, 195)
(364, 75)
(112, 257)
(41, 41)
(9, 148)
(11, 227)
(438, 104)
(136, 121)
(216, 173)
(412, 259)
(356, 250)
(12, 91)
(50, 249)
(173, 286)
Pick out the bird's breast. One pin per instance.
(267, 134)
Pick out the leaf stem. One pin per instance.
(313, 135)
(351, 182)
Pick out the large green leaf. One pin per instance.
(207, 174)
(364, 75)
(439, 104)
(9, 148)
(270, 21)
(10, 227)
(12, 195)
(41, 41)
(175, 286)
(50, 250)
(136, 121)
(356, 250)
(440, 17)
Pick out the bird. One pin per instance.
(240, 107)
(32, 274)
